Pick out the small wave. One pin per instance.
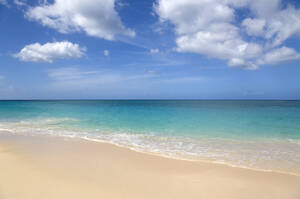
(268, 155)
(47, 121)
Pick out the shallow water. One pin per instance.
(254, 134)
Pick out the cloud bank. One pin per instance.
(50, 51)
(215, 29)
(97, 18)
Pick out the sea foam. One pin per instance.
(265, 154)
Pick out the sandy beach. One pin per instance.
(34, 167)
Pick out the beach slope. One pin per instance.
(34, 167)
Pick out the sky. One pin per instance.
(150, 49)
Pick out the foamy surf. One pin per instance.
(262, 154)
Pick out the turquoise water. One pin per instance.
(254, 134)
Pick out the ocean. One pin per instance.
(255, 134)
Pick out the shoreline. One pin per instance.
(29, 161)
(178, 158)
(152, 153)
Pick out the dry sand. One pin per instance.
(33, 167)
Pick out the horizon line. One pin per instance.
(148, 99)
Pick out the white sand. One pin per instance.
(47, 167)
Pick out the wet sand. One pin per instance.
(35, 167)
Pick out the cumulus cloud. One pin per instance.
(241, 63)
(96, 18)
(20, 3)
(50, 51)
(254, 27)
(211, 28)
(279, 55)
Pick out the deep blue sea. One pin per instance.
(254, 134)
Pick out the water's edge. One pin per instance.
(150, 153)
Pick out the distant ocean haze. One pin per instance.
(255, 134)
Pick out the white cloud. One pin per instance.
(154, 51)
(241, 63)
(50, 51)
(189, 15)
(211, 28)
(220, 41)
(20, 3)
(278, 55)
(283, 25)
(1, 77)
(106, 53)
(254, 27)
(96, 18)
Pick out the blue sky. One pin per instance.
(162, 49)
